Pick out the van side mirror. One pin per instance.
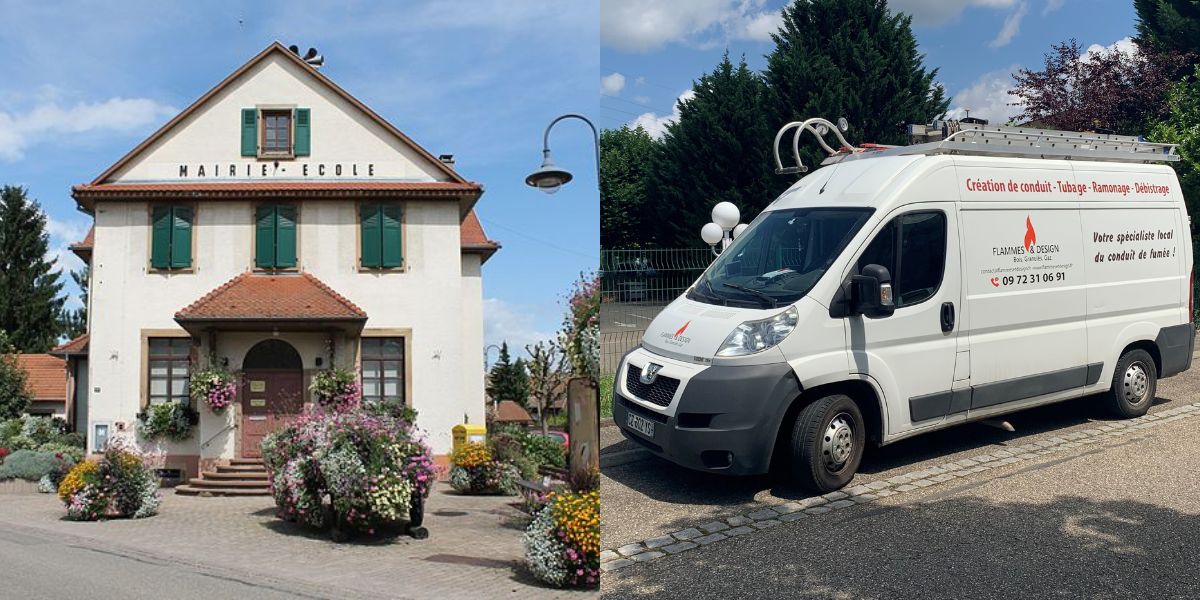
(871, 292)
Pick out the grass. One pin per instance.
(606, 396)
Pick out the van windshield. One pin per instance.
(780, 257)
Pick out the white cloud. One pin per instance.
(641, 80)
(987, 98)
(612, 84)
(49, 118)
(933, 13)
(646, 25)
(656, 125)
(642, 99)
(1124, 45)
(507, 322)
(62, 235)
(1052, 5)
(1011, 27)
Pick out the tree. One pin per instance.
(625, 156)
(30, 304)
(14, 394)
(718, 150)
(1106, 90)
(853, 59)
(508, 379)
(1165, 26)
(74, 322)
(547, 364)
(1182, 126)
(580, 331)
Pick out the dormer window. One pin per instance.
(275, 132)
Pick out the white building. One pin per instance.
(278, 226)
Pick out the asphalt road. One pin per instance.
(36, 565)
(1113, 520)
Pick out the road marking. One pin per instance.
(921, 478)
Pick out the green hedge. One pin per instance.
(32, 465)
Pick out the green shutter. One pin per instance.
(160, 239)
(264, 237)
(372, 228)
(300, 145)
(285, 237)
(391, 236)
(249, 132)
(181, 237)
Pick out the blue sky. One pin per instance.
(652, 50)
(84, 82)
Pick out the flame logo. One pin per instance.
(682, 329)
(1030, 234)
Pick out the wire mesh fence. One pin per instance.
(634, 286)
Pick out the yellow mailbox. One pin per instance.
(468, 432)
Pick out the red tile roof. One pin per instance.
(474, 239)
(45, 376)
(83, 249)
(240, 190)
(253, 296)
(511, 412)
(78, 345)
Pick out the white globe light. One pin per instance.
(726, 215)
(711, 233)
(739, 229)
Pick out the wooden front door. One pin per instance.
(270, 398)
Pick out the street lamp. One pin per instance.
(724, 227)
(549, 177)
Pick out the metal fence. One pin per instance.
(634, 286)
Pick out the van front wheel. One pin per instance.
(828, 438)
(1134, 384)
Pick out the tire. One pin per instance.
(827, 443)
(1134, 384)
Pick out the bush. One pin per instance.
(562, 544)
(371, 467)
(119, 483)
(475, 471)
(32, 465)
(74, 453)
(172, 421)
(544, 451)
(506, 447)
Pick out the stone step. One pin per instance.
(229, 483)
(236, 475)
(241, 469)
(246, 461)
(188, 490)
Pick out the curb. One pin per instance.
(771, 515)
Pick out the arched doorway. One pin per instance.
(272, 391)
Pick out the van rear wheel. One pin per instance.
(828, 438)
(1134, 383)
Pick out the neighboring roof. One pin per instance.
(277, 48)
(262, 297)
(511, 412)
(83, 249)
(74, 347)
(45, 376)
(474, 239)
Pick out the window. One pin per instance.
(169, 361)
(99, 436)
(171, 237)
(919, 239)
(275, 237)
(383, 369)
(380, 236)
(275, 133)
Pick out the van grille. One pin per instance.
(661, 392)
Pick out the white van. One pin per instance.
(904, 290)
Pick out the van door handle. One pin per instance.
(947, 316)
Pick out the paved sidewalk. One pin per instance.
(1112, 514)
(473, 550)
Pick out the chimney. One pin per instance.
(447, 159)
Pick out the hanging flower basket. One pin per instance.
(213, 388)
(335, 389)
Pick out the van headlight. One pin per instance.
(756, 336)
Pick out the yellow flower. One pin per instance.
(578, 516)
(471, 454)
(76, 479)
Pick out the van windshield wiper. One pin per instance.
(765, 297)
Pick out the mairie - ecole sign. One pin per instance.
(289, 170)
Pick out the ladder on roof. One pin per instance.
(956, 137)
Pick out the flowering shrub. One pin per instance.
(348, 467)
(215, 388)
(581, 326)
(172, 421)
(33, 465)
(473, 471)
(562, 544)
(335, 389)
(3, 453)
(119, 483)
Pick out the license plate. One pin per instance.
(640, 424)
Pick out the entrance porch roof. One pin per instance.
(281, 301)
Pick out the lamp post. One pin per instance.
(724, 227)
(487, 349)
(583, 394)
(549, 177)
